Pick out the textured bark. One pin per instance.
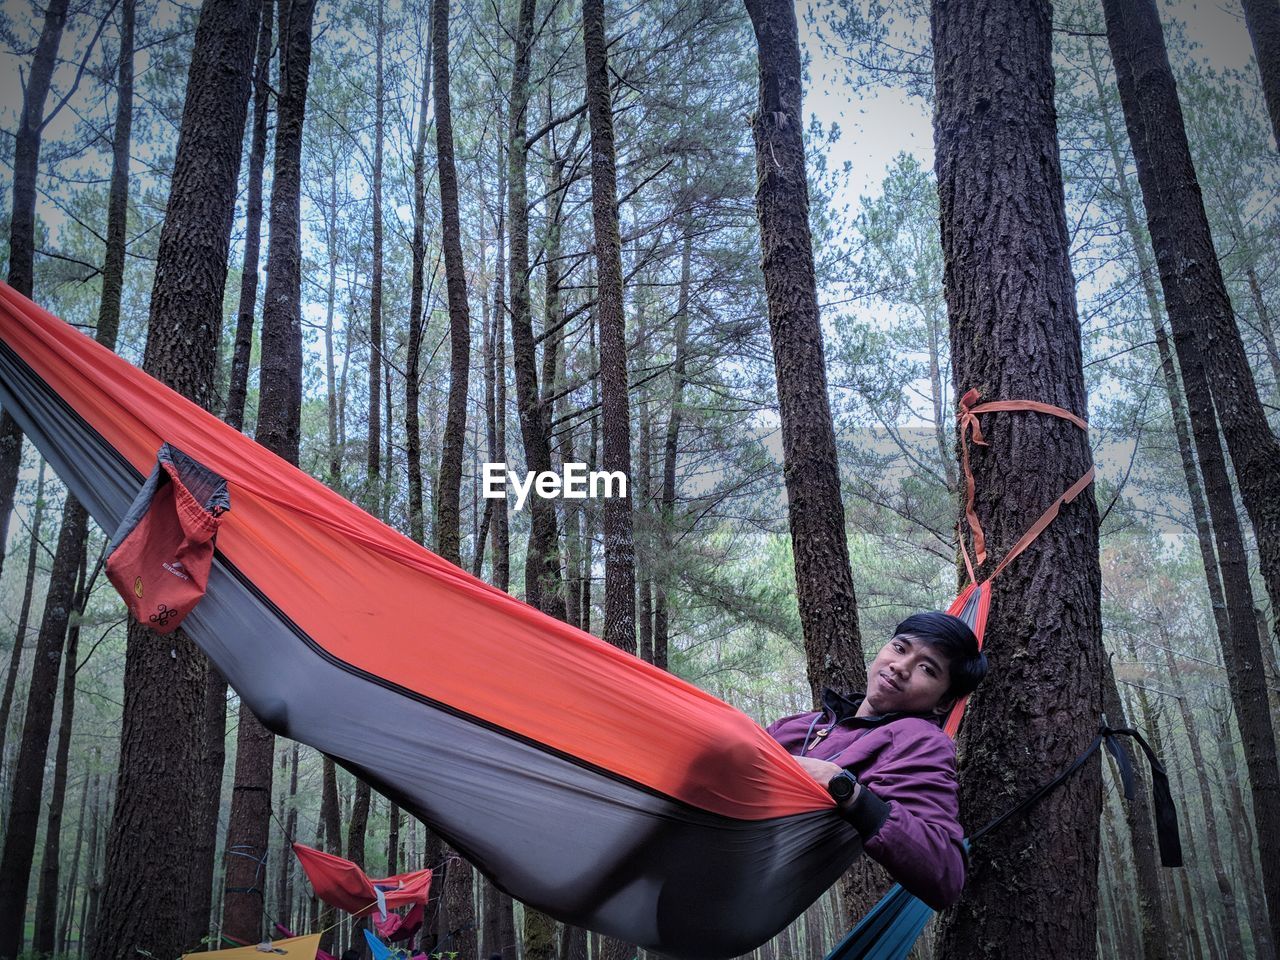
(1266, 326)
(417, 320)
(143, 903)
(22, 225)
(448, 490)
(1223, 736)
(1015, 336)
(26, 149)
(1155, 940)
(243, 345)
(497, 415)
(289, 816)
(1209, 349)
(619, 543)
(1226, 899)
(670, 452)
(815, 510)
(1263, 20)
(69, 891)
(541, 574)
(47, 890)
(280, 388)
(373, 453)
(24, 611)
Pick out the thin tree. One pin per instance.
(1015, 335)
(815, 510)
(373, 452)
(1209, 351)
(245, 311)
(24, 610)
(279, 417)
(457, 906)
(542, 564)
(165, 676)
(619, 542)
(22, 225)
(417, 318)
(1262, 17)
(448, 489)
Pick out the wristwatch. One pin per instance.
(842, 786)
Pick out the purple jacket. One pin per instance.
(908, 763)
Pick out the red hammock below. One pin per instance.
(340, 883)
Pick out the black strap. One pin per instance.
(1166, 816)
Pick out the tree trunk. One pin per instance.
(373, 447)
(243, 346)
(496, 395)
(417, 320)
(542, 588)
(619, 545)
(284, 882)
(670, 452)
(1015, 336)
(815, 510)
(330, 820)
(1226, 890)
(1263, 20)
(73, 875)
(24, 611)
(165, 676)
(43, 939)
(448, 492)
(458, 904)
(22, 225)
(280, 390)
(1209, 348)
(1156, 943)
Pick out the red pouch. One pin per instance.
(161, 554)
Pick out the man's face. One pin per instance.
(908, 676)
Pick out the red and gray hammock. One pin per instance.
(583, 781)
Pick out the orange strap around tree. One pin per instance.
(970, 429)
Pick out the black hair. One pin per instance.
(953, 637)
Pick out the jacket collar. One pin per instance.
(843, 709)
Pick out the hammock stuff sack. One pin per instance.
(583, 781)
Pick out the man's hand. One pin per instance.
(821, 770)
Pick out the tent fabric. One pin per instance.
(584, 782)
(342, 884)
(294, 948)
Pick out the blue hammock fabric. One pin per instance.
(888, 932)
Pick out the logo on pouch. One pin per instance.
(163, 615)
(137, 588)
(176, 569)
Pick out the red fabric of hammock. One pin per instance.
(340, 883)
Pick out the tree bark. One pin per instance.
(542, 564)
(1156, 944)
(373, 452)
(22, 225)
(1209, 349)
(458, 880)
(1263, 20)
(243, 345)
(143, 903)
(815, 509)
(619, 543)
(670, 453)
(73, 875)
(44, 935)
(280, 390)
(417, 319)
(1015, 336)
(497, 415)
(24, 611)
(448, 491)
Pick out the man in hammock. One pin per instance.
(885, 759)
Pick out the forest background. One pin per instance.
(716, 589)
